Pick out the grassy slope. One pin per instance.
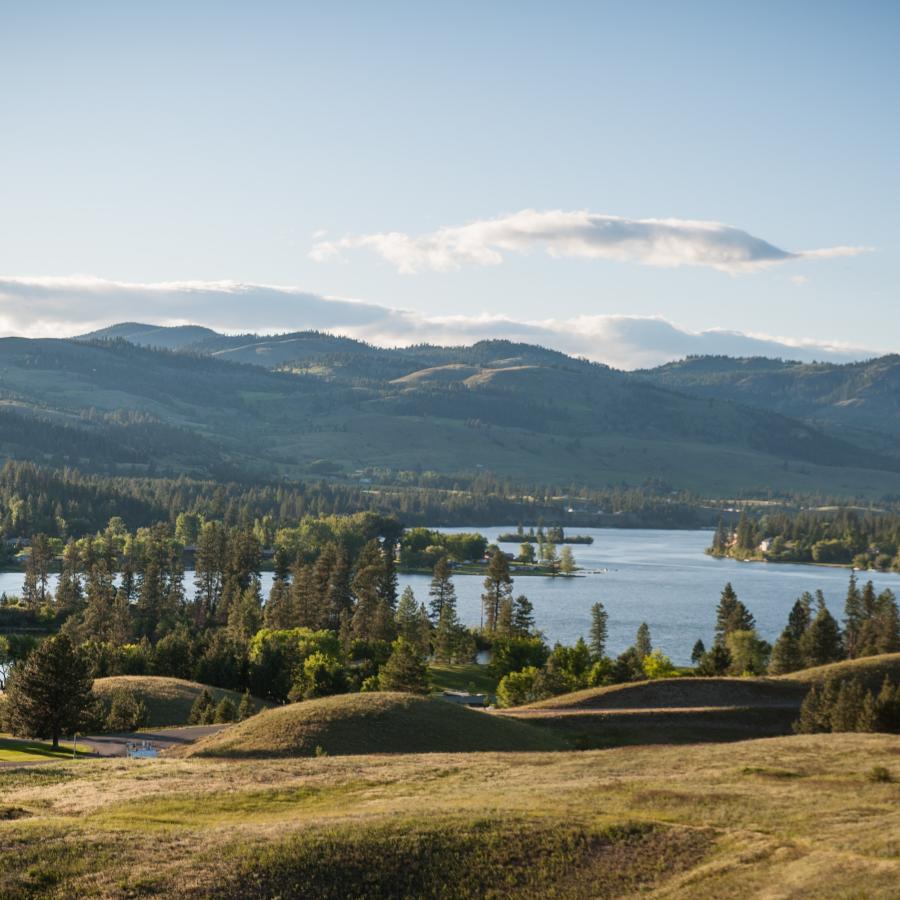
(371, 723)
(168, 700)
(870, 670)
(446, 677)
(781, 817)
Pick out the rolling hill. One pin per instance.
(859, 401)
(106, 403)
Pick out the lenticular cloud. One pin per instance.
(652, 242)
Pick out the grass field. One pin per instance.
(372, 723)
(168, 700)
(462, 678)
(13, 750)
(785, 817)
(870, 670)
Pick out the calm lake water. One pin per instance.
(661, 577)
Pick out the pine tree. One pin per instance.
(49, 694)
(522, 616)
(800, 616)
(731, 615)
(821, 642)
(497, 588)
(786, 654)
(854, 617)
(405, 670)
(599, 633)
(642, 643)
(442, 590)
(449, 634)
(407, 616)
(697, 652)
(247, 707)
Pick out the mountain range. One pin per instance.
(143, 399)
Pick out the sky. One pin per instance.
(628, 181)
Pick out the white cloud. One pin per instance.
(57, 307)
(653, 242)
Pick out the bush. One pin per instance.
(203, 711)
(513, 654)
(657, 665)
(880, 774)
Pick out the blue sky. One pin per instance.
(205, 142)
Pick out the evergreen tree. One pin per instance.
(821, 642)
(497, 588)
(407, 616)
(800, 616)
(731, 615)
(247, 707)
(786, 654)
(854, 617)
(203, 709)
(49, 694)
(642, 643)
(449, 635)
(697, 652)
(522, 616)
(405, 670)
(599, 631)
(442, 590)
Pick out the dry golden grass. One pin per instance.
(783, 817)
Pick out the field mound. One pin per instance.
(372, 723)
(870, 670)
(681, 693)
(168, 700)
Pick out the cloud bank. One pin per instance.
(653, 242)
(60, 307)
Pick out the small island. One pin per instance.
(555, 534)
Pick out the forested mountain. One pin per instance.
(858, 401)
(334, 406)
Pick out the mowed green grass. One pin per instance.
(168, 700)
(19, 750)
(372, 723)
(795, 817)
(446, 677)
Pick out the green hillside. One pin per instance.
(371, 723)
(521, 412)
(858, 401)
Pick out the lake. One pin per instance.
(655, 576)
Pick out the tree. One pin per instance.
(522, 615)
(800, 616)
(497, 588)
(716, 661)
(566, 561)
(821, 642)
(451, 641)
(225, 711)
(749, 653)
(526, 553)
(405, 670)
(599, 631)
(127, 711)
(642, 643)
(697, 652)
(731, 615)
(203, 709)
(786, 654)
(49, 694)
(407, 616)
(441, 590)
(658, 665)
(247, 707)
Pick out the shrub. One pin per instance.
(203, 711)
(657, 665)
(879, 774)
(226, 711)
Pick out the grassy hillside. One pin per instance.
(169, 700)
(860, 401)
(785, 817)
(520, 411)
(870, 670)
(681, 693)
(371, 723)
